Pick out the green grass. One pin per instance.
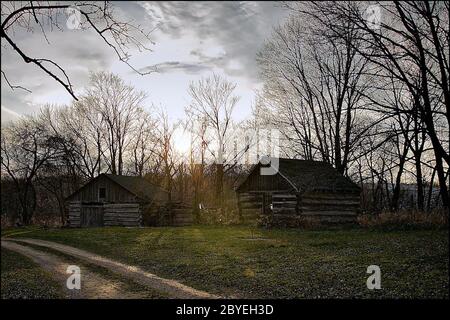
(287, 263)
(21, 278)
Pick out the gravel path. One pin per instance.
(172, 288)
(93, 285)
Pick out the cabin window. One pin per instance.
(101, 193)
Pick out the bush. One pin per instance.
(405, 220)
(219, 216)
(302, 222)
(154, 215)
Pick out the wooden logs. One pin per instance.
(74, 214)
(122, 214)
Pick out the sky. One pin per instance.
(190, 40)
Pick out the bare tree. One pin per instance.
(120, 107)
(411, 44)
(213, 99)
(79, 129)
(143, 144)
(47, 15)
(197, 126)
(166, 152)
(25, 149)
(315, 96)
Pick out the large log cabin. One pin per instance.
(298, 189)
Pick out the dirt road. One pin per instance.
(172, 288)
(93, 285)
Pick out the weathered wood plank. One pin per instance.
(287, 197)
(319, 196)
(123, 211)
(122, 218)
(328, 213)
(122, 215)
(327, 208)
(249, 205)
(331, 202)
(283, 206)
(182, 220)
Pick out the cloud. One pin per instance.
(238, 27)
(172, 66)
(192, 39)
(78, 52)
(8, 115)
(199, 63)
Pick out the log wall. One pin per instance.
(74, 214)
(182, 214)
(291, 209)
(113, 214)
(122, 214)
(330, 207)
(250, 206)
(284, 203)
(171, 214)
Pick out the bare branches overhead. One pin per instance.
(120, 35)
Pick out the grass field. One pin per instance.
(278, 263)
(21, 278)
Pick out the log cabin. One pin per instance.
(298, 190)
(118, 200)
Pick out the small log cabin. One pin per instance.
(117, 200)
(299, 189)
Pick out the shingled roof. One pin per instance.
(307, 175)
(136, 185)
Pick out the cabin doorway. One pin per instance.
(91, 216)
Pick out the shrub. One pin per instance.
(406, 219)
(221, 216)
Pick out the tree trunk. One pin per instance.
(120, 161)
(442, 182)
(430, 190)
(61, 210)
(419, 180)
(219, 184)
(337, 145)
(396, 192)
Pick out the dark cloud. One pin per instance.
(173, 66)
(203, 63)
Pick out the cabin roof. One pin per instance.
(308, 175)
(138, 186)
